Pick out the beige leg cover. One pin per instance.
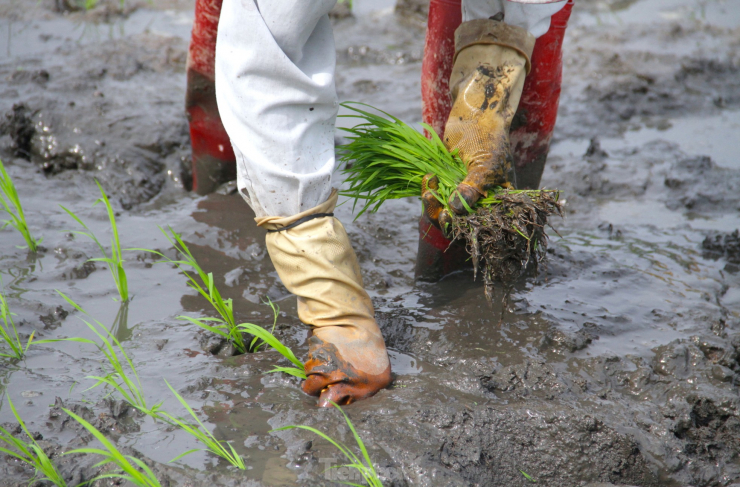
(315, 261)
(491, 63)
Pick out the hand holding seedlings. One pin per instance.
(503, 231)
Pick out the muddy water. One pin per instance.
(619, 365)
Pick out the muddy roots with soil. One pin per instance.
(504, 239)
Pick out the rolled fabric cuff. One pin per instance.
(280, 222)
(488, 31)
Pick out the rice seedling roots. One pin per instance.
(504, 239)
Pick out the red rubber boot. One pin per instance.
(534, 122)
(214, 162)
(531, 129)
(436, 258)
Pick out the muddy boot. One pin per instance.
(347, 359)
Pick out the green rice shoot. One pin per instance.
(202, 434)
(363, 465)
(30, 453)
(387, 159)
(225, 326)
(274, 342)
(9, 333)
(91, 4)
(11, 203)
(115, 261)
(123, 377)
(133, 469)
(527, 476)
(258, 343)
(203, 283)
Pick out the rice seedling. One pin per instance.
(123, 378)
(258, 343)
(29, 452)
(11, 203)
(134, 470)
(225, 326)
(363, 466)
(204, 284)
(264, 337)
(204, 436)
(272, 341)
(9, 333)
(527, 476)
(387, 159)
(115, 261)
(88, 4)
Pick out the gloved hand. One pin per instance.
(347, 358)
(433, 207)
(491, 63)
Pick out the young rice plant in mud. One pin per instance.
(264, 337)
(527, 476)
(133, 469)
(387, 159)
(115, 261)
(225, 326)
(85, 4)
(9, 333)
(203, 283)
(123, 378)
(11, 203)
(29, 452)
(204, 436)
(363, 466)
(272, 341)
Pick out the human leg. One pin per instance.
(531, 127)
(275, 90)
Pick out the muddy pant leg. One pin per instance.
(275, 90)
(533, 17)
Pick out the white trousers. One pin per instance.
(275, 90)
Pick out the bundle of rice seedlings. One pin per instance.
(387, 159)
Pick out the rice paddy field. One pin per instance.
(617, 365)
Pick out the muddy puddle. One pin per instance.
(618, 365)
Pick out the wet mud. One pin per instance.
(618, 365)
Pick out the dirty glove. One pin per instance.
(347, 358)
(433, 207)
(491, 62)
